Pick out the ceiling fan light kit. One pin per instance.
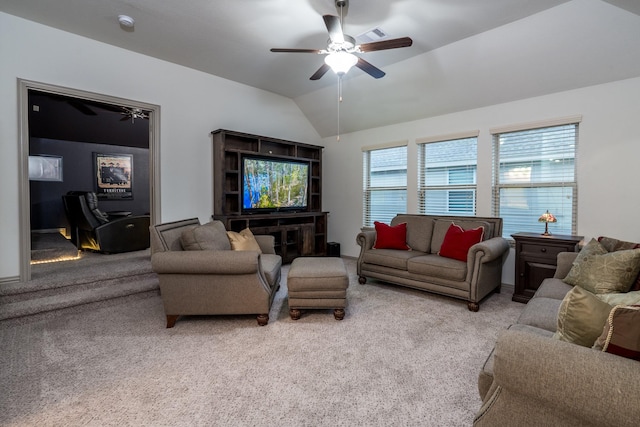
(341, 62)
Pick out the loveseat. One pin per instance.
(535, 377)
(200, 274)
(422, 267)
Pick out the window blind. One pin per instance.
(534, 171)
(447, 177)
(384, 184)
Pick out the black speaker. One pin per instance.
(333, 249)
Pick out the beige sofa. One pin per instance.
(533, 379)
(213, 281)
(422, 267)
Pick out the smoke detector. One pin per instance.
(126, 21)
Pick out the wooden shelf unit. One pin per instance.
(297, 234)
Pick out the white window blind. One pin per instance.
(534, 171)
(384, 184)
(447, 177)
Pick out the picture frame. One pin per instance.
(114, 175)
(45, 168)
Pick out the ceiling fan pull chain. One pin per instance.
(339, 102)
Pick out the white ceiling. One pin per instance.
(466, 53)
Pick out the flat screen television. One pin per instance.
(272, 184)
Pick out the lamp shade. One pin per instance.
(341, 62)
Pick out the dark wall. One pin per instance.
(78, 174)
(75, 129)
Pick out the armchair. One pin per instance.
(94, 230)
(215, 280)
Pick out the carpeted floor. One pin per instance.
(400, 357)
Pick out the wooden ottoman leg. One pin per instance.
(262, 319)
(295, 313)
(338, 313)
(171, 320)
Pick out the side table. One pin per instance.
(536, 260)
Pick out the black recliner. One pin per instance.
(92, 229)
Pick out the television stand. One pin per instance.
(295, 235)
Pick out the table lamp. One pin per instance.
(547, 218)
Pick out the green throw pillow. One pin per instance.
(581, 317)
(599, 271)
(625, 298)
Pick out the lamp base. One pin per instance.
(546, 229)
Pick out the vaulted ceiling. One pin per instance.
(465, 53)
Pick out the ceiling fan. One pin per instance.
(342, 47)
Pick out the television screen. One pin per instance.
(274, 184)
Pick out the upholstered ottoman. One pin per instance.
(317, 283)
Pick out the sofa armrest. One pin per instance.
(537, 377)
(488, 250)
(565, 262)
(366, 239)
(205, 262)
(266, 243)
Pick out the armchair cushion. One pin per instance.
(211, 236)
(243, 241)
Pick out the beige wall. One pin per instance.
(192, 105)
(608, 159)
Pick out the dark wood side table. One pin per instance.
(536, 260)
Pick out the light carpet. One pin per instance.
(400, 357)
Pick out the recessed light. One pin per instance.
(126, 21)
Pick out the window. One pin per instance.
(384, 184)
(447, 177)
(535, 171)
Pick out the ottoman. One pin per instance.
(317, 283)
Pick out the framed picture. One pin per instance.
(45, 168)
(114, 175)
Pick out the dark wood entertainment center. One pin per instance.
(302, 233)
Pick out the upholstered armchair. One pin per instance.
(94, 230)
(200, 274)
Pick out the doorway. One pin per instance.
(69, 137)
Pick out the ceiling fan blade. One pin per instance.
(386, 44)
(334, 28)
(82, 107)
(321, 72)
(373, 71)
(296, 50)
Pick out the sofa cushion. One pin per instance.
(541, 313)
(391, 258)
(581, 317)
(419, 231)
(441, 226)
(391, 237)
(243, 241)
(612, 245)
(437, 266)
(552, 288)
(621, 333)
(599, 271)
(457, 241)
(625, 298)
(211, 236)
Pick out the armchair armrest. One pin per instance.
(536, 376)
(488, 250)
(266, 243)
(205, 262)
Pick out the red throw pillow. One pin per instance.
(388, 237)
(457, 241)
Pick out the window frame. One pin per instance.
(564, 185)
(368, 190)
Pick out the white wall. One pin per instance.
(608, 159)
(192, 105)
